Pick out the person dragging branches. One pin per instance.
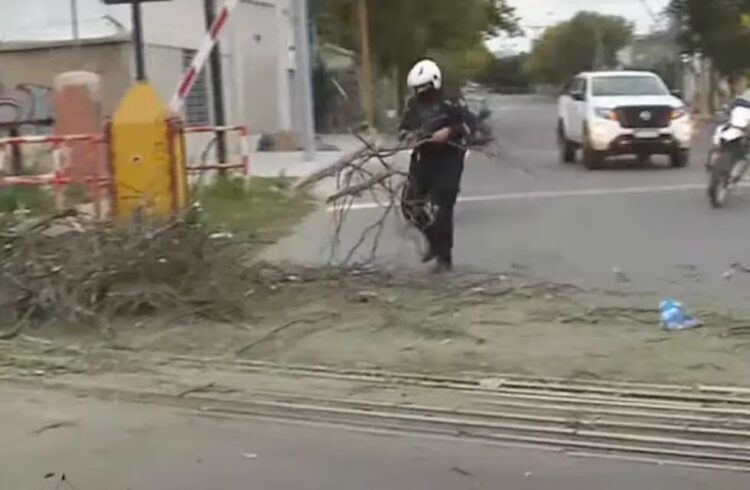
(440, 127)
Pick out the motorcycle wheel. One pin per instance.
(720, 179)
(718, 189)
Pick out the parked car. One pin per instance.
(622, 113)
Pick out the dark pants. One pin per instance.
(430, 199)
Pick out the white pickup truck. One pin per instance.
(622, 113)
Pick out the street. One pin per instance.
(522, 211)
(226, 231)
(123, 446)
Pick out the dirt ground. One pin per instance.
(470, 323)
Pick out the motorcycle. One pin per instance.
(480, 112)
(728, 159)
(482, 133)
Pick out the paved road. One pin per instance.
(524, 210)
(118, 446)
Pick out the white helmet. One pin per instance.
(424, 75)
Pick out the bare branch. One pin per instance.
(358, 189)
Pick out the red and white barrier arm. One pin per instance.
(53, 179)
(49, 139)
(29, 180)
(214, 129)
(189, 77)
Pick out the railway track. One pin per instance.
(697, 426)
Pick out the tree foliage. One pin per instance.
(715, 28)
(403, 31)
(507, 74)
(588, 41)
(461, 65)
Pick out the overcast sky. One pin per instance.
(35, 19)
(536, 14)
(50, 19)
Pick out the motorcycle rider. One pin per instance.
(741, 100)
(441, 127)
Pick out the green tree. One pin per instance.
(586, 42)
(461, 65)
(716, 29)
(323, 93)
(507, 73)
(403, 31)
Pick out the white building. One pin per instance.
(257, 49)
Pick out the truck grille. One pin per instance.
(644, 116)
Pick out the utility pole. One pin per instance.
(217, 84)
(303, 80)
(74, 20)
(365, 55)
(140, 62)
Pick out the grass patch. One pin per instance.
(76, 194)
(36, 199)
(39, 199)
(266, 209)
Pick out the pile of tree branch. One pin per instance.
(368, 173)
(71, 270)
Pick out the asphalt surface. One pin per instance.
(117, 446)
(524, 211)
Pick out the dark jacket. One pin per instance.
(438, 165)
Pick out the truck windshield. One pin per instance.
(628, 85)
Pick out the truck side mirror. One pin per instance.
(577, 95)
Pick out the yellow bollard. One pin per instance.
(147, 156)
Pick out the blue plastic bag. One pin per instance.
(674, 316)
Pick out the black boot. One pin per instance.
(428, 256)
(442, 266)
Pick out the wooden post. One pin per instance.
(217, 86)
(16, 156)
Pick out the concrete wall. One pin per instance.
(178, 23)
(164, 67)
(255, 49)
(26, 64)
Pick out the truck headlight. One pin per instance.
(678, 113)
(601, 134)
(605, 113)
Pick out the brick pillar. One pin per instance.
(77, 104)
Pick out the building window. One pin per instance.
(197, 111)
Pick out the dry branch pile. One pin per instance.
(369, 173)
(70, 270)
